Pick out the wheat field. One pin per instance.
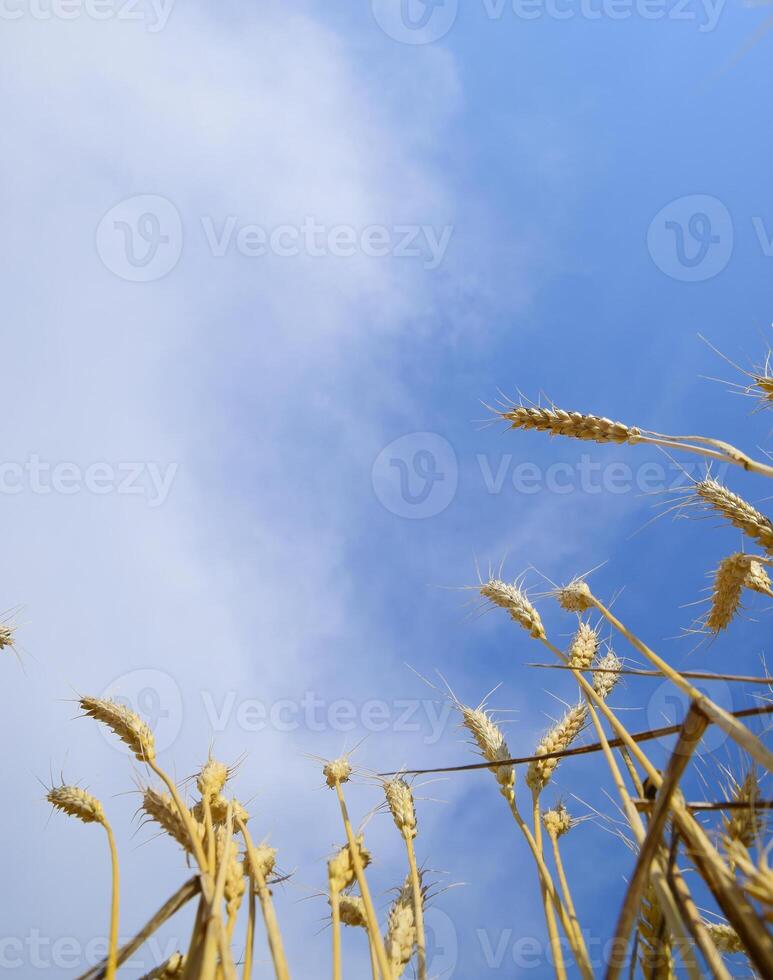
(681, 852)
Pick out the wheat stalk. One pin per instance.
(399, 798)
(260, 862)
(78, 803)
(336, 772)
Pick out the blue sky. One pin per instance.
(247, 545)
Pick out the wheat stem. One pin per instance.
(266, 905)
(112, 949)
(731, 899)
(730, 725)
(249, 942)
(564, 885)
(580, 953)
(370, 912)
(418, 908)
(195, 840)
(335, 916)
(550, 916)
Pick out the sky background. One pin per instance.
(242, 491)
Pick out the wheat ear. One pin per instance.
(736, 510)
(401, 930)
(733, 575)
(724, 937)
(583, 648)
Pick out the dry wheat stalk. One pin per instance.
(76, 802)
(736, 510)
(337, 772)
(511, 597)
(6, 636)
(399, 797)
(124, 723)
(582, 649)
